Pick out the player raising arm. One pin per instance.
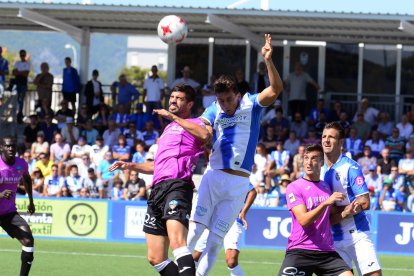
(12, 171)
(169, 204)
(236, 123)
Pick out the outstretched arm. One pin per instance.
(146, 168)
(270, 94)
(203, 134)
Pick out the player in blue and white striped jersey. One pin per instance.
(352, 238)
(235, 122)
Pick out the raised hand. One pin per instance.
(267, 49)
(119, 165)
(7, 194)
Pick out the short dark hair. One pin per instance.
(95, 72)
(55, 166)
(314, 147)
(224, 84)
(68, 59)
(7, 137)
(338, 127)
(73, 166)
(91, 170)
(187, 89)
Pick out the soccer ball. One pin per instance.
(172, 29)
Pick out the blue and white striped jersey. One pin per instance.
(346, 176)
(235, 137)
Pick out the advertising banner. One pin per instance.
(66, 218)
(128, 220)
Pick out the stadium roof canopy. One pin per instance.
(212, 22)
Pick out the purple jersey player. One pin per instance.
(310, 245)
(12, 171)
(169, 204)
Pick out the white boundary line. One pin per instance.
(144, 257)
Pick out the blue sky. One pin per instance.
(365, 6)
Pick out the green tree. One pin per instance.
(136, 75)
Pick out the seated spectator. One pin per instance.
(38, 181)
(299, 126)
(44, 109)
(396, 144)
(363, 128)
(406, 165)
(140, 154)
(31, 162)
(132, 134)
(104, 174)
(373, 179)
(292, 144)
(49, 129)
(261, 159)
(391, 199)
(60, 153)
(405, 127)
(117, 191)
(111, 135)
(281, 190)
(297, 164)
(398, 180)
(44, 164)
(256, 177)
(94, 184)
(63, 113)
(53, 182)
(98, 151)
(74, 181)
(39, 146)
(85, 165)
(83, 117)
(84, 193)
(312, 138)
(369, 113)
(384, 163)
(343, 120)
(135, 188)
(278, 164)
(79, 150)
(410, 199)
(121, 118)
(269, 139)
(90, 133)
(121, 151)
(336, 111)
(366, 160)
(150, 134)
(353, 144)
(384, 126)
(262, 198)
(375, 143)
(139, 117)
(31, 130)
(242, 85)
(315, 112)
(69, 132)
(280, 124)
(374, 198)
(100, 123)
(409, 146)
(320, 124)
(270, 114)
(65, 192)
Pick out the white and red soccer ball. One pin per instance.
(172, 29)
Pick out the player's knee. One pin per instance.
(154, 260)
(232, 261)
(26, 238)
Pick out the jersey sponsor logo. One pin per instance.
(292, 198)
(173, 203)
(359, 180)
(222, 226)
(229, 122)
(201, 211)
(307, 188)
(292, 271)
(337, 176)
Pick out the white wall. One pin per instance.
(145, 51)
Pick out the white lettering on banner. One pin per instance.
(273, 231)
(134, 221)
(404, 238)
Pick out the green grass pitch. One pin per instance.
(62, 258)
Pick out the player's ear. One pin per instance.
(190, 104)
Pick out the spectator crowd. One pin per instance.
(69, 151)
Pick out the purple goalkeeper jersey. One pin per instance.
(177, 154)
(9, 180)
(316, 236)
